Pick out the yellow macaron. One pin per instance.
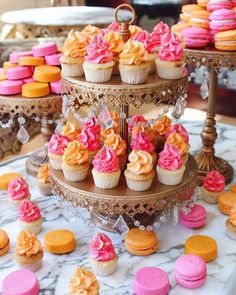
(226, 40)
(199, 18)
(59, 241)
(186, 11)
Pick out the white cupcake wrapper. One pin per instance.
(55, 163)
(75, 175)
(231, 234)
(29, 226)
(134, 76)
(105, 182)
(46, 190)
(170, 177)
(72, 70)
(169, 72)
(138, 186)
(32, 266)
(103, 269)
(98, 76)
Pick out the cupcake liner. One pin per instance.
(138, 186)
(169, 72)
(134, 76)
(72, 70)
(210, 197)
(231, 234)
(102, 180)
(55, 163)
(105, 268)
(45, 188)
(98, 75)
(31, 266)
(75, 174)
(34, 227)
(168, 177)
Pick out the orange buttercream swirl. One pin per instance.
(28, 244)
(133, 53)
(75, 154)
(116, 143)
(161, 126)
(134, 30)
(115, 41)
(75, 45)
(83, 282)
(141, 162)
(89, 31)
(70, 131)
(177, 140)
(43, 173)
(109, 132)
(232, 216)
(115, 117)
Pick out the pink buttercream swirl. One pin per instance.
(98, 51)
(178, 128)
(170, 158)
(147, 39)
(142, 142)
(90, 139)
(106, 160)
(136, 119)
(57, 144)
(113, 27)
(214, 181)
(18, 189)
(93, 125)
(158, 31)
(28, 211)
(101, 248)
(171, 48)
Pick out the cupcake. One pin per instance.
(75, 163)
(56, 147)
(83, 282)
(170, 63)
(146, 128)
(90, 139)
(74, 51)
(113, 27)
(115, 127)
(158, 31)
(106, 171)
(119, 145)
(160, 129)
(133, 63)
(92, 124)
(170, 167)
(178, 128)
(139, 173)
(134, 122)
(90, 31)
(98, 63)
(18, 190)
(134, 30)
(30, 218)
(70, 130)
(28, 252)
(178, 141)
(103, 258)
(213, 186)
(43, 180)
(231, 224)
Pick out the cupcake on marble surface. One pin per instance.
(18, 190)
(90, 31)
(99, 62)
(103, 258)
(178, 141)
(28, 252)
(213, 186)
(106, 171)
(75, 163)
(158, 31)
(83, 282)
(70, 130)
(30, 218)
(170, 167)
(231, 224)
(56, 147)
(160, 128)
(43, 180)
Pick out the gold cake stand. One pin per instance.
(214, 60)
(43, 107)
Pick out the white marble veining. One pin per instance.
(57, 269)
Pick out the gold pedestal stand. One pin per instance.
(206, 159)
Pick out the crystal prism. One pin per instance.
(178, 109)
(58, 128)
(65, 106)
(104, 119)
(120, 225)
(23, 135)
(204, 91)
(175, 215)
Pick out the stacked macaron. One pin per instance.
(33, 73)
(226, 202)
(195, 218)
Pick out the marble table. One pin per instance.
(57, 269)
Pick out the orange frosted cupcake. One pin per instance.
(70, 130)
(160, 129)
(134, 30)
(43, 180)
(178, 141)
(75, 163)
(90, 31)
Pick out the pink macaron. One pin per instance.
(18, 73)
(222, 20)
(218, 4)
(190, 271)
(55, 87)
(196, 37)
(44, 49)
(20, 282)
(8, 87)
(28, 80)
(53, 59)
(14, 57)
(151, 281)
(196, 218)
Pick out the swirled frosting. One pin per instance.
(89, 139)
(113, 27)
(98, 51)
(178, 128)
(141, 162)
(158, 31)
(133, 53)
(28, 244)
(43, 173)
(170, 158)
(83, 282)
(115, 117)
(134, 120)
(18, 189)
(142, 142)
(106, 160)
(116, 143)
(70, 131)
(134, 30)
(92, 124)
(115, 41)
(75, 154)
(177, 140)
(28, 211)
(146, 38)
(90, 31)
(171, 48)
(57, 144)
(101, 248)
(161, 126)
(75, 45)
(108, 132)
(214, 181)
(232, 216)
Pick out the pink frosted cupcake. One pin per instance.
(92, 124)
(113, 27)
(106, 171)
(170, 168)
(98, 63)
(18, 191)
(178, 141)
(103, 258)
(178, 128)
(134, 121)
(213, 186)
(56, 147)
(157, 33)
(30, 218)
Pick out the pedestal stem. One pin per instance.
(123, 123)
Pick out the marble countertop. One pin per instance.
(57, 269)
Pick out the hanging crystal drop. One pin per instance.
(175, 215)
(58, 128)
(23, 135)
(104, 118)
(121, 226)
(178, 109)
(65, 106)
(204, 91)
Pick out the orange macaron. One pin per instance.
(226, 40)
(199, 18)
(226, 202)
(35, 89)
(59, 241)
(186, 11)
(4, 242)
(202, 3)
(233, 188)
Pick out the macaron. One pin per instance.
(226, 41)
(44, 49)
(195, 219)
(7, 65)
(190, 271)
(2, 74)
(202, 3)
(18, 73)
(59, 241)
(226, 202)
(8, 87)
(218, 4)
(202, 246)
(35, 89)
(20, 282)
(28, 80)
(14, 57)
(222, 20)
(53, 59)
(195, 37)
(55, 87)
(199, 18)
(47, 73)
(186, 11)
(6, 178)
(141, 243)
(4, 242)
(233, 188)
(178, 28)
(30, 61)
(151, 281)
